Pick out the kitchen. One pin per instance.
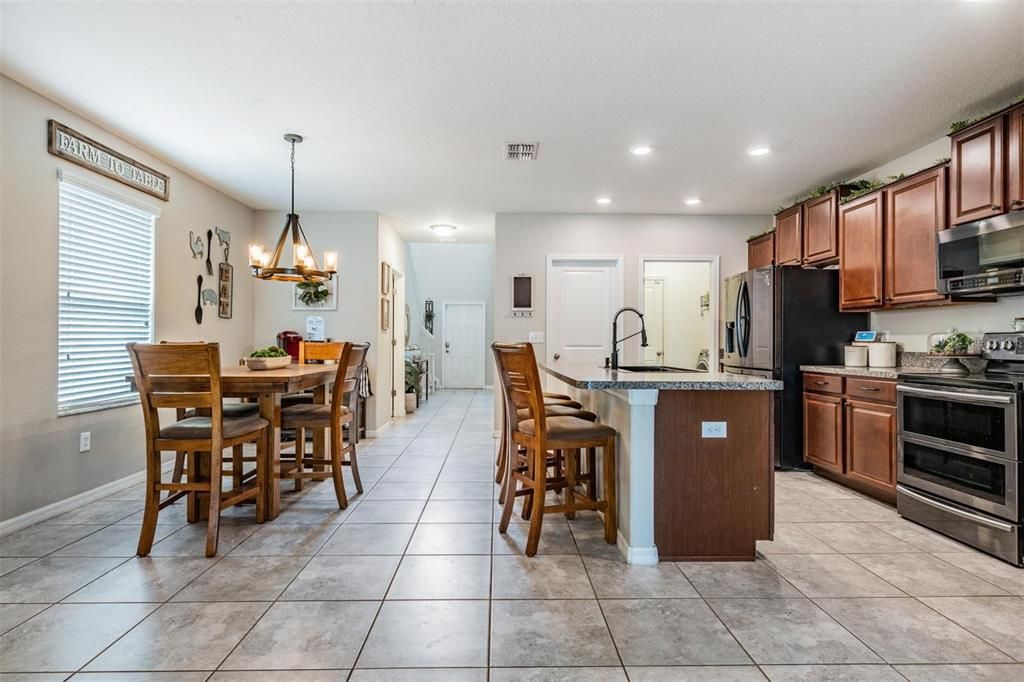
(788, 475)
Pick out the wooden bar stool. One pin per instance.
(187, 376)
(327, 418)
(540, 435)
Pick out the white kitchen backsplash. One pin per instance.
(910, 328)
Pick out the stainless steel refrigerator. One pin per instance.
(776, 319)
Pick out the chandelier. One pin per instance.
(304, 267)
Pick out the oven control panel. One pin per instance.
(1003, 346)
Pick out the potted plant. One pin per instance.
(412, 385)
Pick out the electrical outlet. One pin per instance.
(536, 337)
(85, 441)
(713, 429)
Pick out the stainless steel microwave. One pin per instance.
(985, 257)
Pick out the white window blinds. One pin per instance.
(106, 296)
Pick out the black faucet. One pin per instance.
(615, 333)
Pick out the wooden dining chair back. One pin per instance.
(186, 376)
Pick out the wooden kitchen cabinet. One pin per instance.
(915, 212)
(977, 171)
(789, 236)
(861, 233)
(1015, 157)
(870, 444)
(820, 236)
(761, 251)
(823, 431)
(851, 438)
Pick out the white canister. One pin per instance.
(882, 354)
(855, 356)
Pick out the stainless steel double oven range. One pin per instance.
(959, 460)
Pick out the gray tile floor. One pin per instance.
(413, 583)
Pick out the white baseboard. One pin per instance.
(637, 556)
(373, 433)
(57, 508)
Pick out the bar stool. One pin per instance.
(183, 376)
(540, 435)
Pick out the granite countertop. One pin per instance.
(587, 376)
(871, 372)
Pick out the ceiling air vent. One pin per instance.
(521, 151)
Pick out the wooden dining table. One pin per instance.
(267, 387)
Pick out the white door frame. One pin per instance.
(713, 288)
(619, 289)
(483, 339)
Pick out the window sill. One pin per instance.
(98, 407)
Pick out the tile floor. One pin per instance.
(413, 583)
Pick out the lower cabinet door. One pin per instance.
(871, 444)
(823, 431)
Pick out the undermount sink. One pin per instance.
(653, 368)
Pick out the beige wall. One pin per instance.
(391, 249)
(524, 240)
(39, 459)
(912, 327)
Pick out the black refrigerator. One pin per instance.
(774, 320)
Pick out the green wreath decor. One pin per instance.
(313, 293)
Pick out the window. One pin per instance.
(106, 295)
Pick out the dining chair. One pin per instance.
(330, 418)
(547, 440)
(187, 376)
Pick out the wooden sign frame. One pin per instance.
(63, 141)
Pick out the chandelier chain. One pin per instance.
(293, 176)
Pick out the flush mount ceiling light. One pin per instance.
(692, 201)
(304, 267)
(641, 150)
(604, 201)
(759, 150)
(443, 231)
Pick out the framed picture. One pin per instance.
(385, 314)
(385, 278)
(315, 295)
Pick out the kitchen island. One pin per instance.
(695, 458)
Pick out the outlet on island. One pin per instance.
(713, 429)
(84, 441)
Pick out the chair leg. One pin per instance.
(237, 466)
(352, 461)
(192, 499)
(610, 523)
(509, 487)
(300, 453)
(540, 474)
(213, 523)
(336, 471)
(261, 480)
(149, 517)
(572, 458)
(179, 469)
(591, 479)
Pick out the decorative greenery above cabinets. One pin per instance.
(957, 126)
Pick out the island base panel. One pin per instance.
(713, 497)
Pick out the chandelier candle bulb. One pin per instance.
(331, 261)
(255, 255)
(307, 263)
(301, 254)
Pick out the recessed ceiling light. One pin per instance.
(604, 200)
(443, 230)
(641, 150)
(693, 201)
(760, 150)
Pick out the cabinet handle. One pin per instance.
(870, 388)
(996, 207)
(821, 383)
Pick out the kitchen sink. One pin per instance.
(653, 368)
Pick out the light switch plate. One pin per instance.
(536, 337)
(713, 429)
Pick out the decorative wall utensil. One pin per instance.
(223, 236)
(195, 242)
(209, 250)
(199, 299)
(226, 281)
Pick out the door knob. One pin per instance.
(557, 356)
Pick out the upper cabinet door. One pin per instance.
(821, 240)
(789, 237)
(860, 252)
(915, 210)
(1015, 158)
(761, 251)
(976, 167)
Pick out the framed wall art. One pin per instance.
(315, 295)
(385, 278)
(385, 314)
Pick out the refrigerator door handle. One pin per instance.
(743, 320)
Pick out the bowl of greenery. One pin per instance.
(270, 357)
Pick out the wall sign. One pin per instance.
(77, 148)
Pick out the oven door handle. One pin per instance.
(958, 397)
(956, 511)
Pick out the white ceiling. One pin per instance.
(405, 107)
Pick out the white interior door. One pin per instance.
(582, 296)
(464, 345)
(654, 316)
